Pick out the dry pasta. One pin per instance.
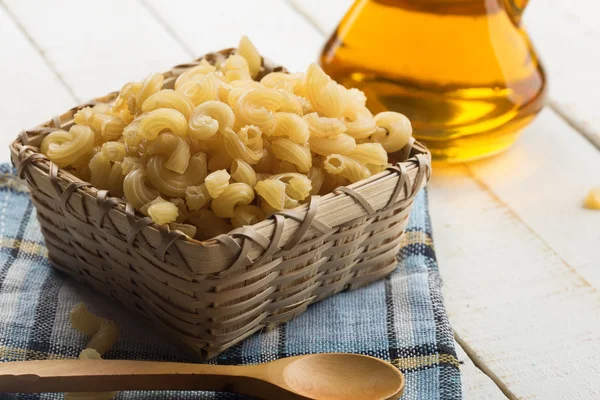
(215, 149)
(347, 167)
(247, 50)
(242, 172)
(286, 150)
(216, 182)
(233, 195)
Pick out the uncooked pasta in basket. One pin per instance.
(225, 147)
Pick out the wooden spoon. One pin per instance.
(328, 376)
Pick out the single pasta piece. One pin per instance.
(197, 197)
(236, 68)
(281, 80)
(272, 192)
(247, 50)
(298, 186)
(393, 131)
(355, 102)
(216, 182)
(285, 167)
(256, 107)
(173, 146)
(186, 229)
(124, 105)
(324, 127)
(163, 119)
(136, 188)
(307, 107)
(209, 118)
(292, 126)
(64, 148)
(340, 144)
(592, 200)
(114, 151)
(145, 207)
(375, 169)
(347, 167)
(202, 89)
(104, 332)
(316, 176)
(163, 212)
(369, 153)
(362, 125)
(247, 215)
(152, 84)
(236, 148)
(326, 96)
(129, 164)
(89, 354)
(208, 224)
(239, 88)
(202, 69)
(168, 98)
(242, 172)
(233, 195)
(106, 126)
(100, 168)
(286, 150)
(172, 183)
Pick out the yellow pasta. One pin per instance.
(163, 212)
(393, 131)
(316, 176)
(173, 146)
(247, 50)
(324, 127)
(152, 84)
(326, 96)
(163, 119)
(256, 107)
(347, 167)
(64, 148)
(247, 215)
(145, 207)
(284, 167)
(375, 169)
(169, 99)
(105, 126)
(340, 144)
(236, 148)
(202, 69)
(129, 164)
(199, 90)
(197, 197)
(292, 126)
(306, 105)
(180, 204)
(361, 126)
(233, 195)
(209, 118)
(239, 88)
(298, 186)
(208, 224)
(272, 192)
(242, 172)
(172, 183)
(281, 80)
(286, 150)
(216, 182)
(124, 106)
(136, 188)
(104, 332)
(236, 68)
(186, 229)
(369, 153)
(100, 168)
(114, 151)
(220, 159)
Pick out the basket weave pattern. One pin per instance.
(213, 294)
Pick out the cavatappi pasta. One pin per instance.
(218, 149)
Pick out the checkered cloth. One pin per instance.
(400, 319)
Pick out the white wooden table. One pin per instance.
(519, 256)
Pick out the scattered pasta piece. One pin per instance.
(592, 200)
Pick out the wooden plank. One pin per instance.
(276, 30)
(476, 385)
(566, 34)
(82, 42)
(31, 92)
(544, 180)
(527, 315)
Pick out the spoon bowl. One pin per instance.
(327, 376)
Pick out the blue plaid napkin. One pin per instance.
(400, 319)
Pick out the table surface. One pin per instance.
(519, 255)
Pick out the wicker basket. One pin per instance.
(215, 293)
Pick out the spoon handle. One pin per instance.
(109, 375)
